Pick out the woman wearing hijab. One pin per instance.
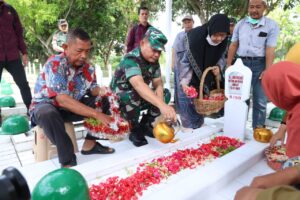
(292, 56)
(281, 83)
(205, 46)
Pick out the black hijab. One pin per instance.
(201, 54)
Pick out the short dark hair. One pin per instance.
(142, 8)
(79, 33)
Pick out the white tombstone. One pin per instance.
(109, 72)
(99, 75)
(237, 90)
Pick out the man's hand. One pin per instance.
(105, 119)
(261, 75)
(168, 112)
(74, 106)
(231, 52)
(287, 176)
(247, 193)
(25, 60)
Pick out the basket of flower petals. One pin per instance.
(276, 156)
(213, 103)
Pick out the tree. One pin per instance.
(105, 20)
(289, 22)
(38, 19)
(204, 9)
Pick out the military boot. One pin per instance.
(137, 137)
(146, 125)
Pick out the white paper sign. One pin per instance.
(238, 81)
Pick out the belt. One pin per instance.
(251, 58)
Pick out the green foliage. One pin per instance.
(204, 9)
(289, 22)
(115, 60)
(106, 21)
(39, 20)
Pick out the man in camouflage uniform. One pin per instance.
(136, 71)
(60, 37)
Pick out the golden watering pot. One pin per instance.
(262, 135)
(164, 132)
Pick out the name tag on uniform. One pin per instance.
(262, 34)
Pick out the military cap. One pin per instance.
(156, 38)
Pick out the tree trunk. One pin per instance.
(43, 43)
(198, 7)
(70, 8)
(105, 53)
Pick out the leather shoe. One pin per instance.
(137, 139)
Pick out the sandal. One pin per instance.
(98, 149)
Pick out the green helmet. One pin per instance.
(277, 114)
(14, 125)
(61, 184)
(7, 101)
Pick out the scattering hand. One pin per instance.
(105, 119)
(279, 135)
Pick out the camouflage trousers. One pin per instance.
(131, 106)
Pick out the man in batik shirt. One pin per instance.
(66, 90)
(137, 70)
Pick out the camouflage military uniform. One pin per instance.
(131, 104)
(59, 39)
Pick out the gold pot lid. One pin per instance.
(163, 132)
(262, 135)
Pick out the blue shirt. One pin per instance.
(179, 48)
(253, 40)
(178, 44)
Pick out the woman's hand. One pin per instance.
(184, 88)
(279, 135)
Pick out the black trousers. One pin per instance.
(51, 119)
(16, 69)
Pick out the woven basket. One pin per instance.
(207, 107)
